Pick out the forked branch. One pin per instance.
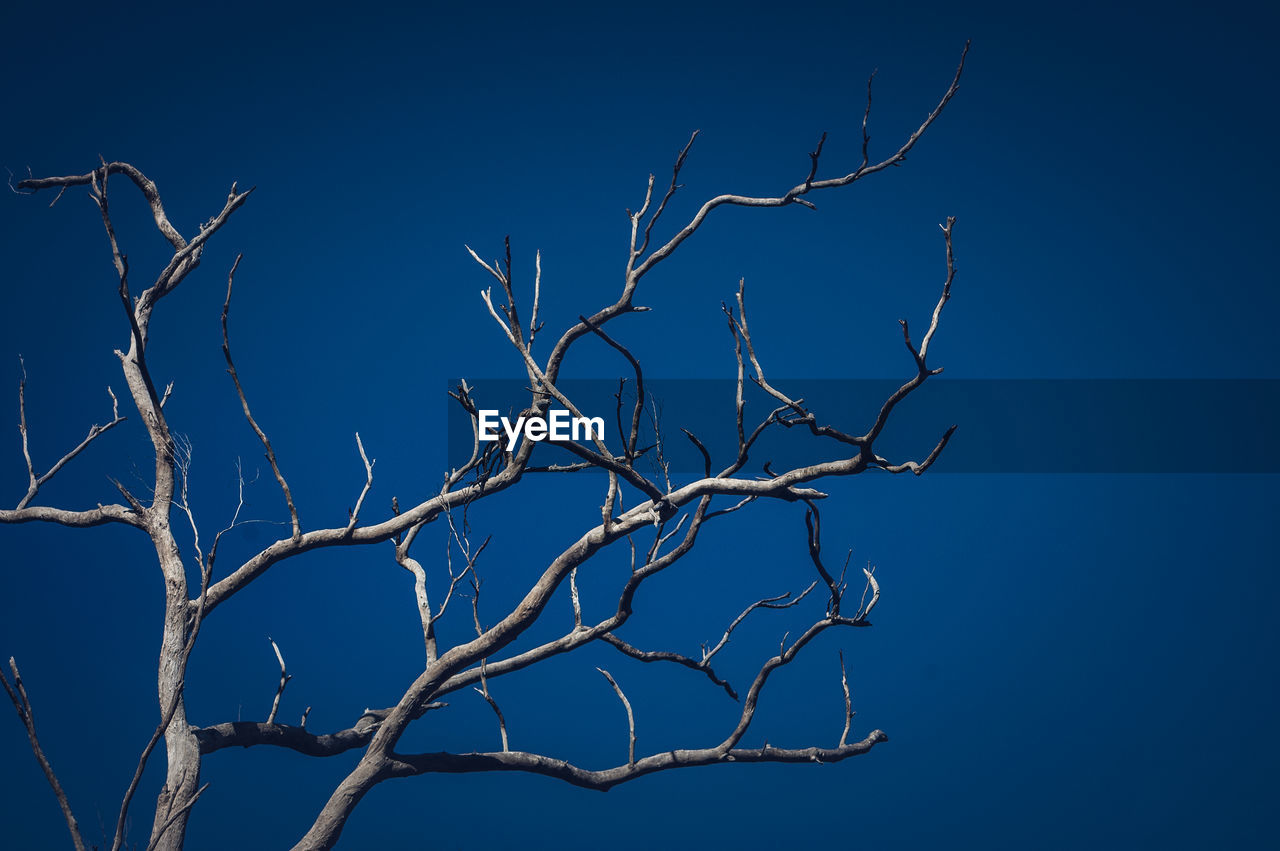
(36, 482)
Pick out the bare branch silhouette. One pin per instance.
(649, 519)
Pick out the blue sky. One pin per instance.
(1059, 660)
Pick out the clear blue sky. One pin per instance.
(1060, 661)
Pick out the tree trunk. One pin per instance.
(182, 777)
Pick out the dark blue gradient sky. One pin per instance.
(1061, 661)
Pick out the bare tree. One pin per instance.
(657, 532)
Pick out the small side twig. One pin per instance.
(848, 702)
(865, 611)
(483, 691)
(285, 676)
(766, 603)
(368, 483)
(244, 403)
(573, 597)
(493, 704)
(667, 656)
(631, 718)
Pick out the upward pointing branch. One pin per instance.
(793, 196)
(244, 403)
(36, 482)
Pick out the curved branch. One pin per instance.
(784, 486)
(667, 656)
(248, 415)
(631, 718)
(767, 603)
(93, 517)
(147, 187)
(447, 763)
(246, 734)
(794, 194)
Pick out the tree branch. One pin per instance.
(794, 194)
(285, 676)
(447, 763)
(248, 415)
(486, 473)
(80, 519)
(22, 705)
(766, 603)
(368, 483)
(95, 430)
(666, 656)
(147, 187)
(631, 718)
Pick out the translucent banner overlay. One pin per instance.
(1004, 425)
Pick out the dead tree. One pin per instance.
(659, 530)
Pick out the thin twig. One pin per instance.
(285, 676)
(848, 703)
(667, 656)
(864, 613)
(244, 403)
(22, 705)
(631, 718)
(766, 603)
(483, 691)
(36, 482)
(573, 597)
(368, 483)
